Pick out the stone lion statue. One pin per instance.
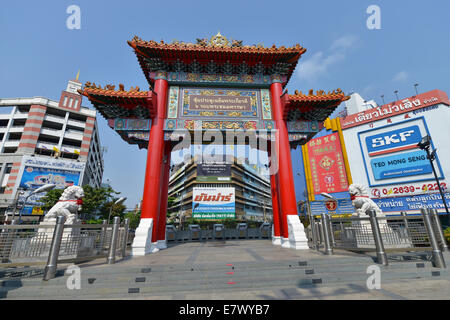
(68, 205)
(362, 202)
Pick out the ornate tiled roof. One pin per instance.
(112, 103)
(312, 106)
(217, 55)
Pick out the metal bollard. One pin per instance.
(405, 221)
(112, 248)
(314, 232)
(440, 233)
(438, 258)
(326, 235)
(103, 235)
(330, 227)
(52, 262)
(126, 224)
(381, 254)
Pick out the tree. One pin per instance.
(135, 218)
(94, 200)
(51, 198)
(117, 210)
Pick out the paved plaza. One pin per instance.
(239, 270)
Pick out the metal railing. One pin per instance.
(381, 234)
(175, 235)
(56, 242)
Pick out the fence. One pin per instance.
(38, 244)
(175, 235)
(380, 234)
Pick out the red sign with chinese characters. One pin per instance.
(327, 164)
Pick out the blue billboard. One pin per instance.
(393, 140)
(38, 172)
(413, 203)
(401, 165)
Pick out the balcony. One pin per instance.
(76, 123)
(69, 149)
(51, 132)
(46, 145)
(20, 115)
(11, 144)
(73, 134)
(53, 118)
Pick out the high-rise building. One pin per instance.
(251, 188)
(45, 141)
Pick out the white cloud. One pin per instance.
(401, 76)
(344, 43)
(319, 63)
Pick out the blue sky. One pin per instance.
(39, 54)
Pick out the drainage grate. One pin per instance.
(302, 263)
(435, 273)
(309, 271)
(91, 280)
(316, 281)
(146, 270)
(133, 290)
(140, 279)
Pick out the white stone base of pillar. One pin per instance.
(285, 243)
(276, 241)
(297, 235)
(142, 243)
(161, 244)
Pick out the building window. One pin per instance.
(76, 104)
(65, 101)
(70, 102)
(8, 168)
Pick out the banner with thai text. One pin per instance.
(213, 203)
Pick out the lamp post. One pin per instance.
(122, 199)
(20, 192)
(425, 145)
(44, 188)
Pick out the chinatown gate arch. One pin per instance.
(214, 85)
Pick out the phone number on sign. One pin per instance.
(411, 189)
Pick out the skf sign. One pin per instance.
(393, 141)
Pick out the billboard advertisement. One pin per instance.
(214, 169)
(327, 164)
(383, 154)
(412, 104)
(36, 172)
(213, 172)
(213, 203)
(391, 157)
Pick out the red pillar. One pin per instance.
(275, 206)
(164, 192)
(152, 184)
(288, 205)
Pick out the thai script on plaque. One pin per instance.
(220, 103)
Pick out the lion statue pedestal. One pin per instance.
(363, 229)
(68, 206)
